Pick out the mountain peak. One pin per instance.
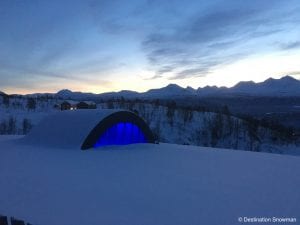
(284, 86)
(64, 91)
(189, 88)
(169, 90)
(2, 93)
(282, 79)
(289, 78)
(173, 86)
(245, 83)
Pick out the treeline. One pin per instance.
(6, 220)
(191, 126)
(279, 131)
(195, 124)
(218, 127)
(10, 126)
(252, 123)
(30, 103)
(157, 102)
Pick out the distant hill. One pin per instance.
(2, 93)
(284, 87)
(169, 91)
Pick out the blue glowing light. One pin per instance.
(123, 133)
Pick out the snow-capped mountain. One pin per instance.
(123, 93)
(169, 91)
(2, 93)
(67, 94)
(210, 90)
(164, 92)
(284, 87)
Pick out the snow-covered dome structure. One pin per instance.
(86, 129)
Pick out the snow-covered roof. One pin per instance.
(71, 129)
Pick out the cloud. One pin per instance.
(42, 40)
(292, 73)
(26, 76)
(156, 76)
(214, 37)
(290, 45)
(195, 72)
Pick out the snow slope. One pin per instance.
(145, 184)
(170, 124)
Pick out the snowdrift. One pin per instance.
(146, 184)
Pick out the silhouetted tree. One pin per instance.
(110, 104)
(156, 102)
(15, 221)
(31, 103)
(3, 220)
(225, 110)
(6, 100)
(26, 125)
(171, 105)
(216, 129)
(3, 127)
(11, 129)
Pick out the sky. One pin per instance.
(111, 45)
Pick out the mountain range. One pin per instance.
(284, 87)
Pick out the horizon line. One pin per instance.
(294, 76)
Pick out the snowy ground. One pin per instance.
(146, 184)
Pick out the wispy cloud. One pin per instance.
(290, 45)
(292, 73)
(214, 37)
(196, 72)
(94, 40)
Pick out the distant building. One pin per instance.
(86, 105)
(72, 105)
(68, 105)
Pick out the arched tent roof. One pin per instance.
(81, 128)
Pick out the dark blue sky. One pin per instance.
(111, 45)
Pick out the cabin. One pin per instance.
(86, 105)
(68, 105)
(72, 105)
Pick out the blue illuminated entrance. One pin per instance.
(123, 133)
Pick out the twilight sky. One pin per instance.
(110, 45)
